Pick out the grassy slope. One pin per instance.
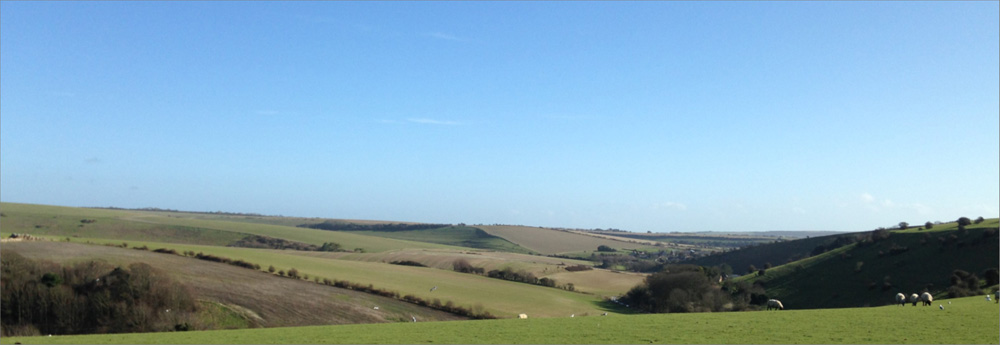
(597, 281)
(461, 236)
(776, 253)
(502, 298)
(65, 221)
(831, 280)
(697, 238)
(967, 320)
(272, 301)
(550, 241)
(19, 219)
(135, 225)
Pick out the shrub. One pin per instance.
(992, 276)
(408, 263)
(963, 221)
(576, 268)
(604, 248)
(51, 279)
(293, 273)
(979, 220)
(963, 284)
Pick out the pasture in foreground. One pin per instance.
(971, 320)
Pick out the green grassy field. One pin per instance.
(597, 281)
(551, 241)
(460, 236)
(66, 222)
(175, 228)
(966, 321)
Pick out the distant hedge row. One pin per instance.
(339, 226)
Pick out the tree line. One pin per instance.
(463, 266)
(391, 227)
(267, 242)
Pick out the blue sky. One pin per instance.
(644, 116)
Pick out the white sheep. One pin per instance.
(926, 298)
(522, 316)
(774, 304)
(914, 298)
(900, 299)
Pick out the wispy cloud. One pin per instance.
(444, 36)
(875, 204)
(93, 160)
(670, 205)
(427, 121)
(867, 198)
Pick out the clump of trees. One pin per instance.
(964, 284)
(408, 263)
(577, 268)
(680, 289)
(267, 242)
(604, 248)
(92, 297)
(463, 266)
(520, 276)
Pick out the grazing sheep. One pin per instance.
(522, 316)
(900, 299)
(914, 298)
(775, 304)
(940, 307)
(926, 298)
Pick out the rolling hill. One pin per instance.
(368, 267)
(258, 299)
(871, 271)
(552, 241)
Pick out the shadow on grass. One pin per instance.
(609, 306)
